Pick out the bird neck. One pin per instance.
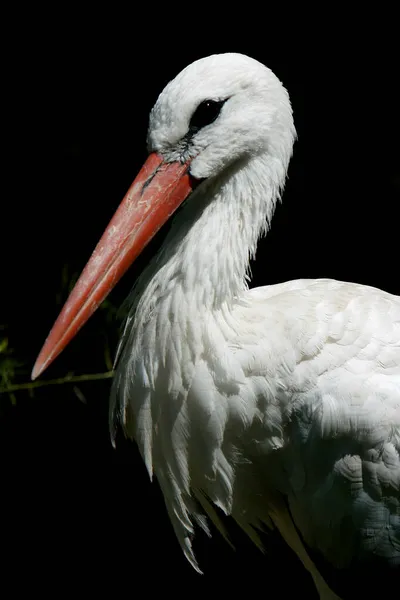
(181, 306)
(207, 252)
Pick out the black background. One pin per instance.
(76, 513)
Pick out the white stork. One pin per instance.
(279, 405)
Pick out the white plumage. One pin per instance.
(278, 404)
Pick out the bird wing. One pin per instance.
(328, 354)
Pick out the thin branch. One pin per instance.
(68, 379)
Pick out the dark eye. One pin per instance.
(205, 114)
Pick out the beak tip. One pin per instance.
(39, 366)
(36, 371)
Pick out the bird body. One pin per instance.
(278, 405)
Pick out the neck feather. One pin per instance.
(207, 252)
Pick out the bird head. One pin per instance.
(217, 110)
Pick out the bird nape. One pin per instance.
(278, 405)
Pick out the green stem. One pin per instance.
(68, 379)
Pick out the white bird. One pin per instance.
(278, 405)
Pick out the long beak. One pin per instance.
(153, 197)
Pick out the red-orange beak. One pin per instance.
(153, 197)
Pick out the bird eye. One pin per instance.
(205, 114)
